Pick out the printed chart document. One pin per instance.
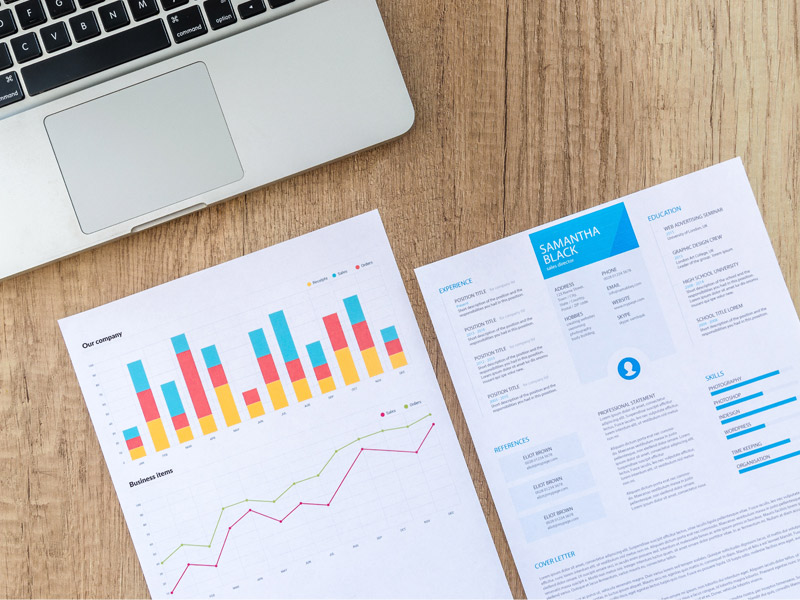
(630, 378)
(273, 428)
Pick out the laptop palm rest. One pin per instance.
(144, 148)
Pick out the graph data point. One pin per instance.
(328, 504)
(301, 504)
(416, 451)
(229, 528)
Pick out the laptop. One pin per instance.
(118, 115)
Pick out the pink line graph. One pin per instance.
(299, 504)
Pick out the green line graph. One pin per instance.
(333, 455)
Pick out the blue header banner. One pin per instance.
(584, 240)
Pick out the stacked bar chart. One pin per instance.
(290, 357)
(176, 412)
(221, 387)
(252, 400)
(363, 336)
(134, 443)
(323, 364)
(341, 350)
(269, 371)
(193, 384)
(147, 402)
(393, 347)
(322, 370)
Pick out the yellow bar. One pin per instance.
(398, 360)
(346, 365)
(227, 405)
(372, 361)
(256, 409)
(277, 395)
(138, 453)
(208, 424)
(158, 435)
(327, 385)
(302, 389)
(184, 435)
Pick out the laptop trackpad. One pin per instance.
(143, 148)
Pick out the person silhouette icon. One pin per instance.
(629, 368)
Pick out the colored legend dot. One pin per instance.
(405, 406)
(358, 267)
(334, 275)
(383, 414)
(309, 284)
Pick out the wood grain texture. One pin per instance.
(526, 112)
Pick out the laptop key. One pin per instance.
(105, 53)
(26, 47)
(251, 9)
(279, 3)
(5, 58)
(114, 15)
(7, 24)
(88, 3)
(10, 89)
(171, 4)
(220, 13)
(30, 14)
(187, 24)
(60, 8)
(55, 37)
(141, 9)
(84, 26)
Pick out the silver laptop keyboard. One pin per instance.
(48, 44)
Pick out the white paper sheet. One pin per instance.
(630, 378)
(232, 486)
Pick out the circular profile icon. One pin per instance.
(629, 368)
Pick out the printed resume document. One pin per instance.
(630, 378)
(273, 428)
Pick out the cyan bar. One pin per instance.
(173, 398)
(744, 383)
(762, 449)
(180, 344)
(211, 356)
(136, 370)
(285, 341)
(759, 410)
(744, 431)
(259, 342)
(770, 462)
(131, 433)
(389, 334)
(354, 312)
(316, 354)
(739, 401)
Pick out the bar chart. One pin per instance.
(749, 409)
(296, 385)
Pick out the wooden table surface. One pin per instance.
(526, 112)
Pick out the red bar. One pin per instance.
(134, 443)
(217, 375)
(180, 421)
(251, 397)
(322, 372)
(363, 336)
(193, 383)
(295, 369)
(148, 404)
(268, 370)
(393, 347)
(335, 332)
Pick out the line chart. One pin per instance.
(335, 452)
(299, 504)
